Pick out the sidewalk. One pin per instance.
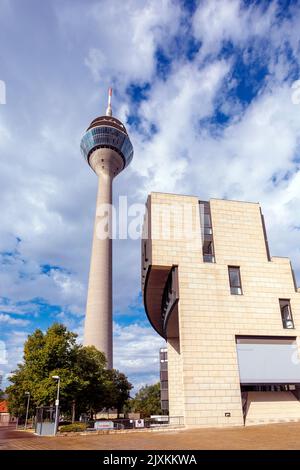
(275, 436)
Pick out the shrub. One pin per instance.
(75, 427)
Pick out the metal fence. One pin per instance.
(22, 424)
(157, 422)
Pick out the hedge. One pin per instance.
(75, 427)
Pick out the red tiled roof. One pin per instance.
(3, 406)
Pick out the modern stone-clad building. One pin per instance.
(229, 311)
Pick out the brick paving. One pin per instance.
(275, 436)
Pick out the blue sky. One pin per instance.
(204, 88)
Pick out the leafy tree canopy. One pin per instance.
(147, 400)
(84, 379)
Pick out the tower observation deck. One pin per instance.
(107, 132)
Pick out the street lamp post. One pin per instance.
(27, 408)
(56, 377)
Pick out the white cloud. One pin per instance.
(264, 143)
(216, 21)
(70, 288)
(56, 287)
(3, 356)
(21, 309)
(5, 135)
(14, 347)
(8, 320)
(128, 47)
(136, 353)
(175, 108)
(96, 62)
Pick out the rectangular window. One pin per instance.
(286, 313)
(235, 280)
(206, 232)
(164, 385)
(164, 405)
(145, 252)
(163, 375)
(208, 252)
(163, 355)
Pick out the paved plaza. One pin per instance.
(275, 436)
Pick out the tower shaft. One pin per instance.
(98, 320)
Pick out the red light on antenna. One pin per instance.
(110, 91)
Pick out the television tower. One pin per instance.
(108, 150)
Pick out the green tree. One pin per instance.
(45, 355)
(90, 366)
(85, 384)
(147, 400)
(16, 395)
(119, 390)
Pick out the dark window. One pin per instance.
(164, 405)
(207, 219)
(235, 280)
(163, 375)
(207, 232)
(286, 313)
(163, 355)
(145, 252)
(208, 251)
(164, 385)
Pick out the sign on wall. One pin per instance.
(100, 425)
